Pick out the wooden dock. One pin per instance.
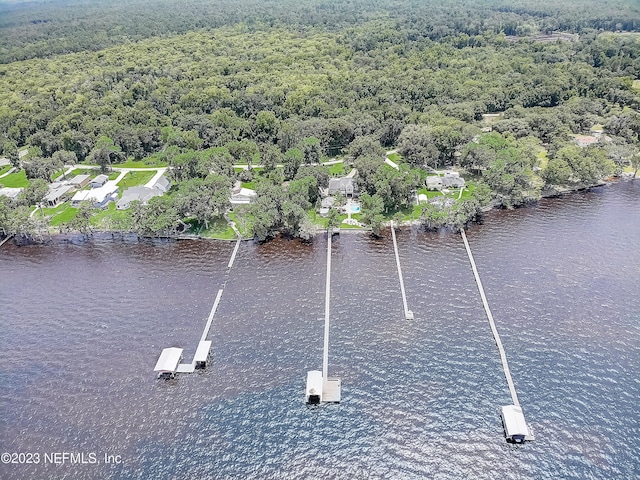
(496, 336)
(408, 314)
(235, 252)
(201, 356)
(331, 390)
(327, 295)
(330, 386)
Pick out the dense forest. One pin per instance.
(498, 89)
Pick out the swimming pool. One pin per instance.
(355, 208)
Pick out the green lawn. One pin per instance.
(251, 185)
(110, 216)
(5, 169)
(395, 157)
(146, 163)
(79, 171)
(337, 170)
(60, 214)
(15, 180)
(133, 179)
(243, 222)
(217, 229)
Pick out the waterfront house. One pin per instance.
(141, 194)
(345, 185)
(586, 140)
(99, 197)
(452, 180)
(434, 182)
(163, 184)
(56, 195)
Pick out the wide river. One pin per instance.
(83, 323)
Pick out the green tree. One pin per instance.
(158, 218)
(34, 193)
(372, 208)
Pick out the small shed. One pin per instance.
(202, 354)
(314, 387)
(326, 205)
(515, 426)
(99, 181)
(167, 364)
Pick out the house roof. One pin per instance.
(100, 178)
(340, 183)
(56, 192)
(142, 194)
(164, 182)
(10, 192)
(328, 202)
(96, 195)
(79, 179)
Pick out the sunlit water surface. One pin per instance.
(82, 325)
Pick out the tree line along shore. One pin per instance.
(521, 102)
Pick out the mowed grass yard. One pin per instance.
(15, 180)
(134, 179)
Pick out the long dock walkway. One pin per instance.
(503, 356)
(327, 291)
(204, 346)
(408, 314)
(320, 387)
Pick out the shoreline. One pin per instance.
(77, 237)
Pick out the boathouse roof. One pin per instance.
(169, 360)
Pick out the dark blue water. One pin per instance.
(83, 324)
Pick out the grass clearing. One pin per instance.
(218, 229)
(5, 169)
(337, 170)
(395, 157)
(146, 163)
(15, 180)
(60, 214)
(110, 216)
(134, 179)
